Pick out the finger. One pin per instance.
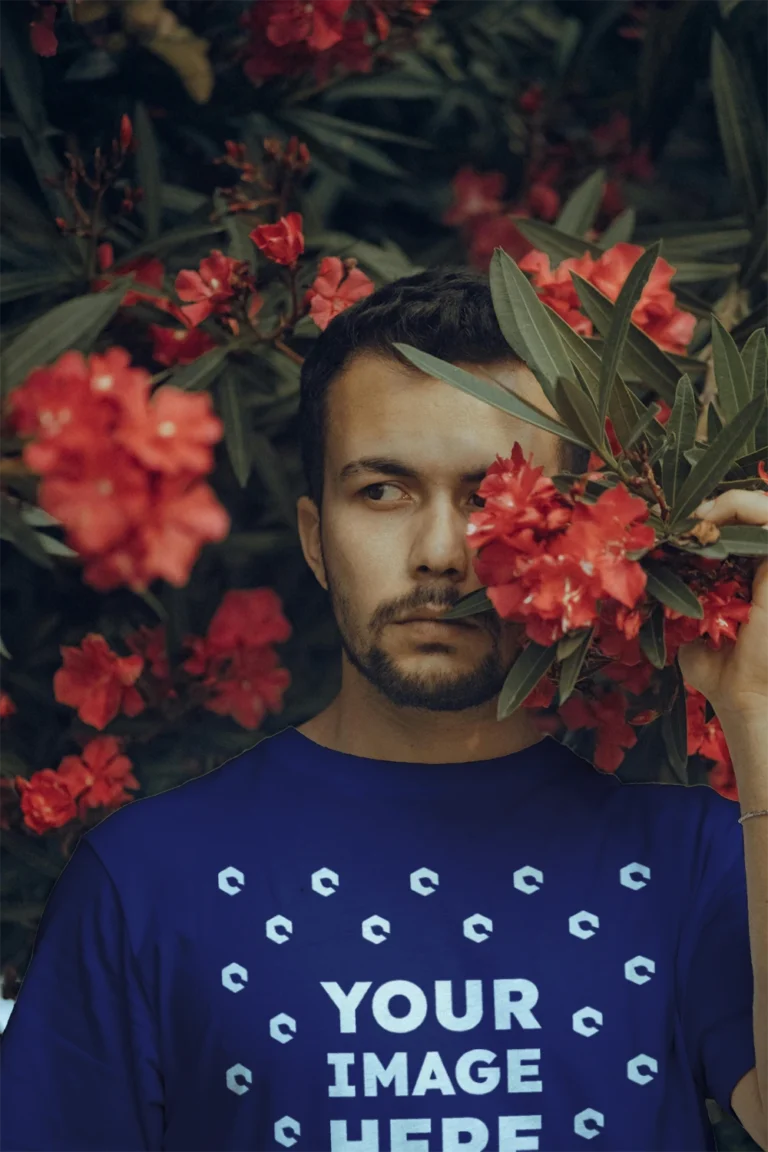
(737, 505)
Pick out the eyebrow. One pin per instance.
(392, 467)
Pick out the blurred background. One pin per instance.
(204, 185)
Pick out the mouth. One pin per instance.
(436, 621)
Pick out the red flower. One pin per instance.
(46, 802)
(252, 684)
(105, 255)
(353, 53)
(557, 288)
(607, 713)
(543, 201)
(600, 536)
(247, 617)
(152, 645)
(7, 706)
(725, 605)
(126, 133)
(41, 33)
(532, 99)
(173, 433)
(487, 233)
(317, 23)
(98, 777)
(97, 682)
(474, 194)
(522, 507)
(332, 292)
(146, 270)
(209, 289)
(97, 497)
(282, 242)
(179, 345)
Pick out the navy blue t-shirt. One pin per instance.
(312, 950)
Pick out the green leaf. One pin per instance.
(748, 464)
(717, 459)
(699, 272)
(19, 285)
(616, 337)
(348, 145)
(532, 663)
(266, 461)
(234, 430)
(674, 726)
(651, 637)
(733, 387)
(74, 324)
(339, 126)
(554, 243)
(526, 325)
(742, 128)
(580, 209)
(620, 230)
(470, 605)
(641, 354)
(581, 354)
(682, 425)
(148, 171)
(754, 255)
(744, 539)
(201, 373)
(642, 425)
(575, 406)
(665, 586)
(754, 356)
(14, 529)
(570, 642)
(572, 665)
(487, 390)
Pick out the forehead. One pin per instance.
(379, 407)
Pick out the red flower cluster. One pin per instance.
(655, 313)
(97, 778)
(338, 284)
(293, 37)
(549, 560)
(283, 242)
(237, 660)
(555, 564)
(121, 469)
(97, 682)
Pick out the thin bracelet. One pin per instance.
(762, 812)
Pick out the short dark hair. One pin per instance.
(446, 311)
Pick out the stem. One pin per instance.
(289, 352)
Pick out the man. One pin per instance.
(403, 925)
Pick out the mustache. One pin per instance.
(393, 612)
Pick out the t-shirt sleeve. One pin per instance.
(79, 1059)
(715, 966)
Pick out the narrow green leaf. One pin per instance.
(753, 258)
(642, 425)
(674, 726)
(651, 637)
(616, 336)
(580, 209)
(581, 354)
(754, 356)
(575, 406)
(201, 372)
(717, 459)
(525, 322)
(488, 391)
(342, 126)
(554, 243)
(13, 529)
(682, 425)
(4, 651)
(470, 605)
(570, 642)
(699, 272)
(733, 387)
(148, 170)
(532, 663)
(74, 324)
(641, 354)
(665, 586)
(749, 463)
(742, 128)
(234, 431)
(572, 665)
(620, 230)
(744, 539)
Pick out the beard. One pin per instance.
(450, 691)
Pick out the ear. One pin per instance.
(308, 519)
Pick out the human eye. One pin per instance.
(371, 491)
(477, 496)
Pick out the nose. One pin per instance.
(439, 546)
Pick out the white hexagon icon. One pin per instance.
(523, 877)
(474, 925)
(234, 977)
(279, 1022)
(581, 1119)
(274, 927)
(282, 1129)
(231, 881)
(232, 1081)
(575, 924)
(631, 969)
(325, 881)
(627, 879)
(587, 1014)
(424, 881)
(372, 926)
(642, 1061)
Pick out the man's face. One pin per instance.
(404, 457)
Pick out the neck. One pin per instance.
(360, 721)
